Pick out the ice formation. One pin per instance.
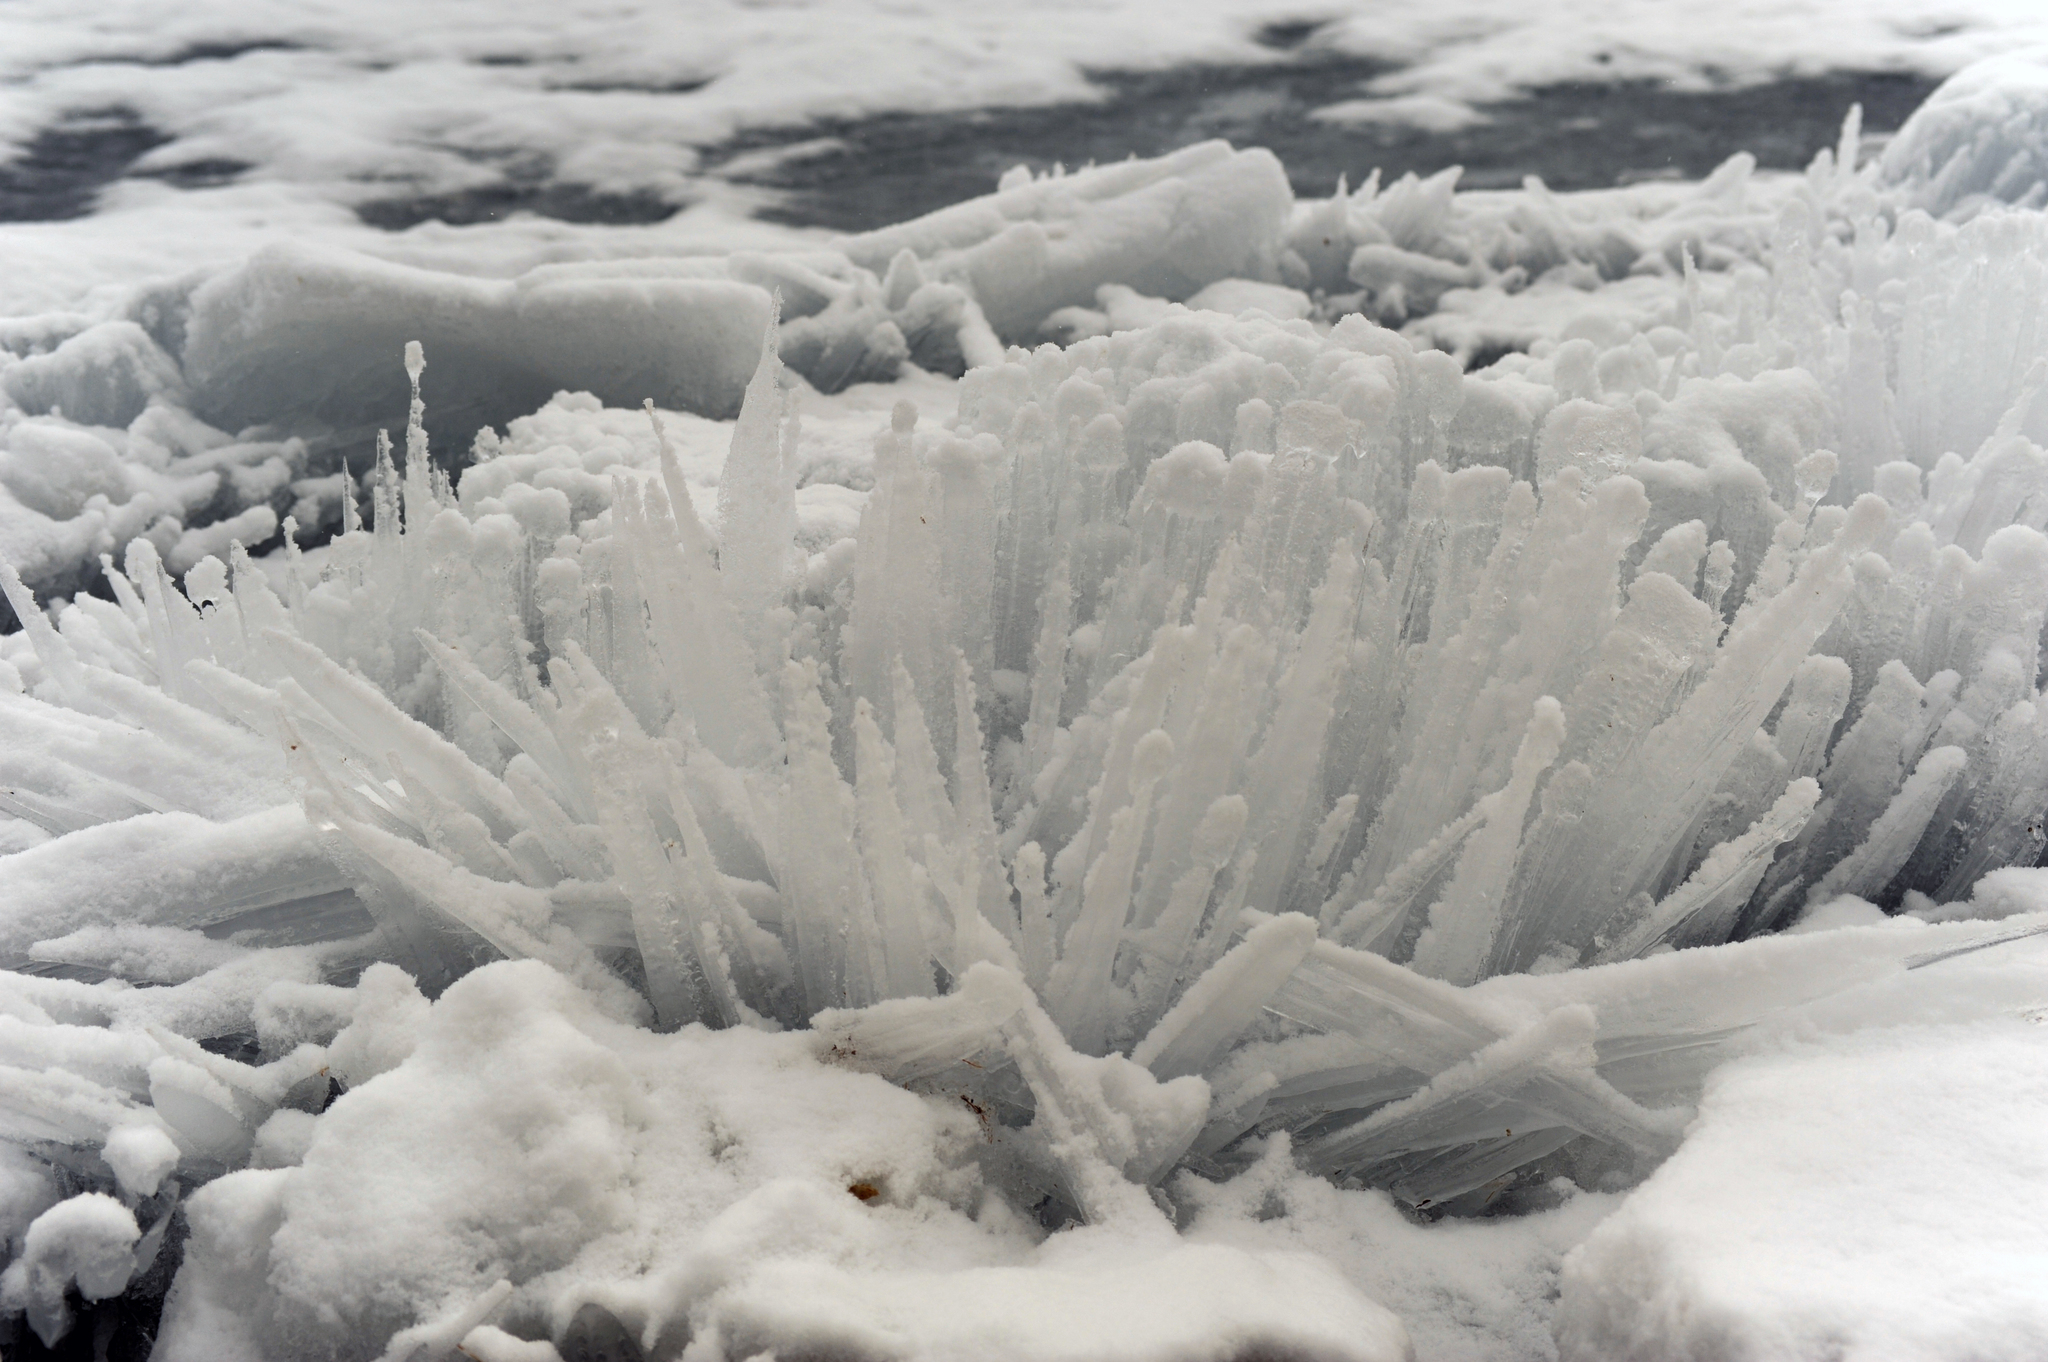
(1235, 730)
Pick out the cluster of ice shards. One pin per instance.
(1479, 674)
(1224, 725)
(208, 408)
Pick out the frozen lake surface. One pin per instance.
(862, 173)
(858, 175)
(1066, 708)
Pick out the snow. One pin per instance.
(837, 831)
(1465, 1289)
(86, 1241)
(1832, 1200)
(762, 1200)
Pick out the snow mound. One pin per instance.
(1877, 1196)
(744, 1194)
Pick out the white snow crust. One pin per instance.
(716, 1176)
(1831, 1201)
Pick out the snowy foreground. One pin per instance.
(1429, 774)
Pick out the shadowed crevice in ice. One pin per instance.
(1285, 35)
(680, 86)
(120, 1329)
(855, 174)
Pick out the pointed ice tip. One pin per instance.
(415, 361)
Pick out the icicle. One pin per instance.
(1897, 830)
(824, 892)
(1222, 1003)
(1704, 907)
(55, 653)
(883, 843)
(1079, 993)
(667, 911)
(1280, 778)
(1463, 924)
(757, 501)
(1170, 941)
(1034, 915)
(351, 514)
(974, 805)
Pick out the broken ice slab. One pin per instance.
(1539, 1078)
(500, 347)
(173, 870)
(1165, 227)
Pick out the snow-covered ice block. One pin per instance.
(87, 1241)
(1982, 137)
(299, 332)
(1165, 227)
(1874, 1197)
(70, 491)
(103, 376)
(169, 869)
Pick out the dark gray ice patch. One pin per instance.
(205, 173)
(868, 172)
(495, 202)
(219, 51)
(1286, 35)
(526, 183)
(681, 86)
(60, 172)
